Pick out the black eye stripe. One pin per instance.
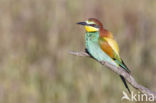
(94, 25)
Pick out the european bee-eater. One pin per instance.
(100, 44)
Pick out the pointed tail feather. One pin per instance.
(122, 64)
(125, 67)
(124, 81)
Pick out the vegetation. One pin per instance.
(36, 36)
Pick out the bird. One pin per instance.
(101, 45)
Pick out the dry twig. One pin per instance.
(122, 72)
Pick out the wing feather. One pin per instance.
(113, 44)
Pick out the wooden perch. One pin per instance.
(122, 72)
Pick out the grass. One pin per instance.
(36, 35)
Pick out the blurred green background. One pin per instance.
(36, 36)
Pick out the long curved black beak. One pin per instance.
(82, 23)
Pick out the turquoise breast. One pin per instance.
(94, 49)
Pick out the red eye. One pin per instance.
(93, 25)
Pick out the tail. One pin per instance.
(122, 64)
(124, 81)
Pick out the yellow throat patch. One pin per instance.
(91, 29)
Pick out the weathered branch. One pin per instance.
(122, 72)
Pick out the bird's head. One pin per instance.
(91, 25)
